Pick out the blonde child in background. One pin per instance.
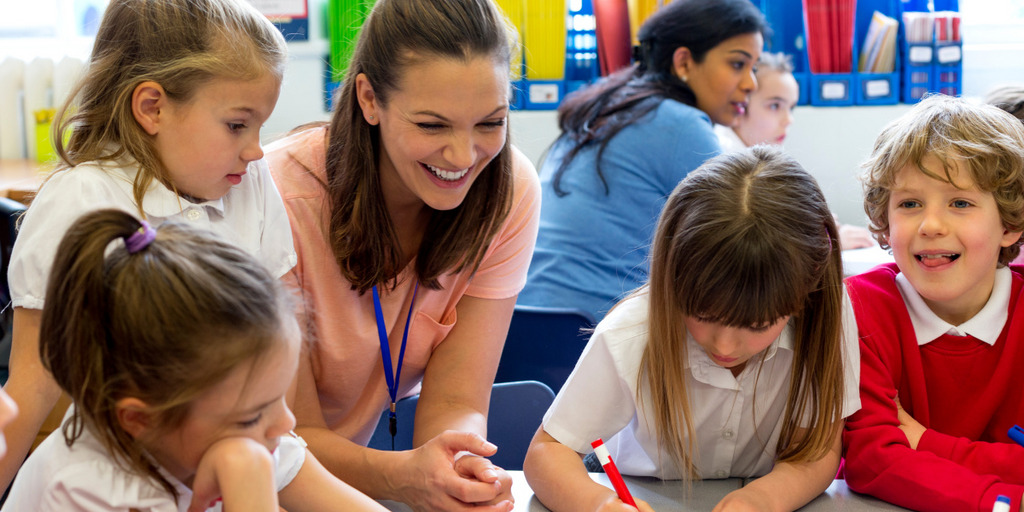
(164, 124)
(770, 111)
(737, 359)
(1009, 98)
(942, 328)
(178, 351)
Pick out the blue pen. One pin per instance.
(1017, 434)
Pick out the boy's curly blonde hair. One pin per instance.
(984, 140)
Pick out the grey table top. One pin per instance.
(672, 495)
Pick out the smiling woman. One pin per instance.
(413, 194)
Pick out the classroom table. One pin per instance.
(670, 496)
(19, 179)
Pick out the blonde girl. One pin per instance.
(737, 359)
(177, 350)
(164, 124)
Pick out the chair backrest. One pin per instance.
(543, 344)
(515, 413)
(10, 211)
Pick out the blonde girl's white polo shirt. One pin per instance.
(251, 215)
(737, 430)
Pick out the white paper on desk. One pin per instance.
(12, 140)
(856, 261)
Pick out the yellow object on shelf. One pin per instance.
(513, 10)
(544, 34)
(45, 151)
(639, 11)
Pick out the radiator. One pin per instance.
(27, 87)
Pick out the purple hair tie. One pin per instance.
(140, 239)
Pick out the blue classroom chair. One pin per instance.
(544, 344)
(515, 413)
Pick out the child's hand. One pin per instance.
(429, 481)
(614, 504)
(740, 501)
(238, 470)
(479, 468)
(910, 427)
(854, 237)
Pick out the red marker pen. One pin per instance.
(613, 472)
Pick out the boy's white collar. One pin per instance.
(985, 326)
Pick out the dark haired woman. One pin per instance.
(628, 140)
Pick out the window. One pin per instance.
(992, 44)
(49, 28)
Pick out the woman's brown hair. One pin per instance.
(162, 325)
(179, 44)
(361, 233)
(744, 240)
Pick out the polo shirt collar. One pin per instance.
(985, 326)
(159, 201)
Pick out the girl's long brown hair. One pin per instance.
(362, 236)
(744, 240)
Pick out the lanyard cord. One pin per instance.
(385, 355)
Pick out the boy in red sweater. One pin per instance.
(942, 329)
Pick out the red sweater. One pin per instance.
(966, 393)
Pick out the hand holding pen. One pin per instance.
(614, 476)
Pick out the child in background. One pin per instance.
(1009, 98)
(737, 359)
(942, 328)
(770, 110)
(178, 351)
(767, 119)
(165, 124)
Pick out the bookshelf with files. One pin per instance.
(947, 69)
(917, 51)
(786, 19)
(878, 87)
(932, 50)
(537, 92)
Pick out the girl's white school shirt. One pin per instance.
(728, 139)
(736, 437)
(251, 215)
(84, 477)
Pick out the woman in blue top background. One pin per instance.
(627, 141)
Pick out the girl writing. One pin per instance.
(737, 359)
(415, 220)
(177, 350)
(164, 124)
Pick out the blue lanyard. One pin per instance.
(385, 355)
